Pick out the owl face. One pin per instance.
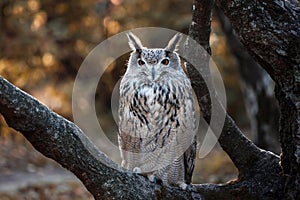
(153, 64)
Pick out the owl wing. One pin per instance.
(190, 129)
(189, 161)
(129, 147)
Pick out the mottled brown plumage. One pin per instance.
(157, 124)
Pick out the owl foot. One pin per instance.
(137, 170)
(152, 178)
(182, 185)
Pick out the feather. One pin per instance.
(134, 42)
(173, 43)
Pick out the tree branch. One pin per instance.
(62, 141)
(257, 88)
(257, 23)
(270, 31)
(243, 153)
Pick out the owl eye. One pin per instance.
(165, 61)
(140, 62)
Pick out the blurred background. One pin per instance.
(42, 45)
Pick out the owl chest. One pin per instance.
(153, 106)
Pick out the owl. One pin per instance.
(157, 118)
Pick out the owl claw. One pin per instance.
(137, 170)
(152, 178)
(183, 186)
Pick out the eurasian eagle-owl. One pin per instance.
(157, 123)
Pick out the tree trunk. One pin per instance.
(258, 91)
(270, 31)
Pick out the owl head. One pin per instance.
(153, 64)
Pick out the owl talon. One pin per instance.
(189, 188)
(152, 178)
(137, 170)
(183, 186)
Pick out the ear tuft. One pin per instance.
(173, 43)
(134, 42)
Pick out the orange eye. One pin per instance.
(140, 62)
(165, 61)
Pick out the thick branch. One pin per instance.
(242, 151)
(61, 140)
(270, 31)
(257, 89)
(253, 163)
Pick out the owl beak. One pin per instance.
(153, 73)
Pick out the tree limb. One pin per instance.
(62, 141)
(270, 31)
(243, 153)
(257, 87)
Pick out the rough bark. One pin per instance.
(258, 91)
(62, 141)
(270, 31)
(244, 154)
